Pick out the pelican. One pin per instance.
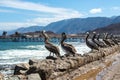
(68, 48)
(49, 46)
(96, 40)
(106, 40)
(90, 44)
(113, 39)
(101, 42)
(110, 40)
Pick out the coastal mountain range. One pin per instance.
(112, 28)
(74, 25)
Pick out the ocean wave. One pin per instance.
(19, 55)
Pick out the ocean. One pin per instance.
(20, 52)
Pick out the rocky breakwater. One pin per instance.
(54, 68)
(1, 76)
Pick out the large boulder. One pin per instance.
(33, 61)
(20, 68)
(1, 76)
(34, 76)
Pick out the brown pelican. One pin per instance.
(49, 46)
(94, 39)
(109, 39)
(90, 44)
(97, 41)
(68, 48)
(106, 40)
(101, 42)
(113, 39)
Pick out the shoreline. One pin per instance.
(71, 68)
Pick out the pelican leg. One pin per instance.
(50, 54)
(53, 54)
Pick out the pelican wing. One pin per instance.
(91, 45)
(107, 42)
(98, 43)
(70, 48)
(52, 48)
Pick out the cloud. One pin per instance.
(30, 6)
(13, 25)
(33, 6)
(36, 21)
(4, 10)
(46, 20)
(95, 10)
(56, 13)
(115, 8)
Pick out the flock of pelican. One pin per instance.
(94, 43)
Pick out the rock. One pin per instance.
(32, 61)
(22, 77)
(51, 57)
(35, 76)
(12, 78)
(62, 65)
(45, 74)
(73, 62)
(44, 68)
(19, 67)
(7, 67)
(88, 58)
(32, 69)
(80, 61)
(1, 76)
(91, 57)
(23, 71)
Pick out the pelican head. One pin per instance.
(43, 31)
(87, 33)
(98, 36)
(63, 37)
(111, 35)
(45, 35)
(94, 32)
(105, 35)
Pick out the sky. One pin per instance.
(24, 13)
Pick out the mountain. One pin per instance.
(1, 32)
(28, 29)
(113, 28)
(78, 25)
(74, 25)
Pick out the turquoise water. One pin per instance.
(19, 52)
(18, 45)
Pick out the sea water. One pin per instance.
(21, 52)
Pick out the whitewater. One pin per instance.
(20, 52)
